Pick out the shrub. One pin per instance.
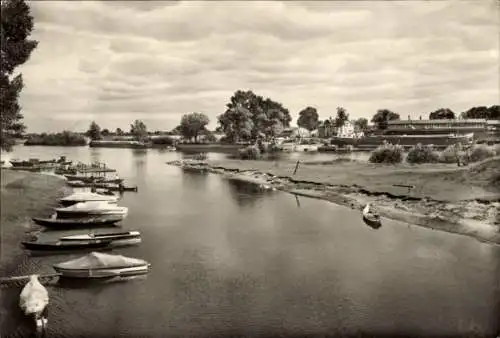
(249, 153)
(66, 138)
(450, 154)
(481, 152)
(164, 140)
(387, 153)
(422, 154)
(496, 148)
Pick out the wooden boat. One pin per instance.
(79, 197)
(86, 179)
(100, 265)
(371, 218)
(66, 245)
(113, 236)
(78, 222)
(100, 184)
(91, 209)
(33, 301)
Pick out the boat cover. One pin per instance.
(88, 196)
(92, 205)
(97, 260)
(34, 297)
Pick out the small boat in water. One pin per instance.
(113, 236)
(79, 197)
(78, 222)
(33, 301)
(101, 265)
(371, 218)
(92, 208)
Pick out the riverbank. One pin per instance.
(23, 195)
(463, 200)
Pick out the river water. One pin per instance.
(228, 260)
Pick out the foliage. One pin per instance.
(16, 48)
(496, 149)
(139, 130)
(442, 114)
(249, 115)
(452, 153)
(94, 132)
(361, 124)
(209, 136)
(341, 117)
(66, 138)
(119, 132)
(422, 154)
(249, 153)
(308, 118)
(105, 132)
(482, 112)
(387, 153)
(163, 140)
(193, 124)
(481, 152)
(382, 116)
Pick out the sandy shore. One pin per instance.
(23, 195)
(463, 200)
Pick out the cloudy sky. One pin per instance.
(119, 61)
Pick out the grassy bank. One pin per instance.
(23, 195)
(463, 200)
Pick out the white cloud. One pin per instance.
(117, 61)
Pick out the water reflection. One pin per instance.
(245, 193)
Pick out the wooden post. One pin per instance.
(296, 167)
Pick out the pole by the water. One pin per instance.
(296, 167)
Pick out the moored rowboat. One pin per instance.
(371, 218)
(58, 245)
(100, 265)
(78, 222)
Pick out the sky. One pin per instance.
(114, 62)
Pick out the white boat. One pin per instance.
(79, 197)
(33, 301)
(93, 208)
(101, 265)
(370, 217)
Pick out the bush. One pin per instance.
(163, 140)
(66, 138)
(387, 153)
(249, 153)
(496, 148)
(422, 154)
(481, 152)
(450, 154)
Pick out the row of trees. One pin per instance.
(137, 129)
(481, 112)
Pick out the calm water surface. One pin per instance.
(227, 260)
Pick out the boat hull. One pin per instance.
(90, 213)
(103, 272)
(76, 222)
(104, 236)
(56, 246)
(373, 222)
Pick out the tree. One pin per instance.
(382, 116)
(482, 112)
(361, 124)
(341, 117)
(442, 114)
(16, 48)
(105, 132)
(249, 116)
(94, 132)
(308, 118)
(193, 124)
(119, 132)
(139, 130)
